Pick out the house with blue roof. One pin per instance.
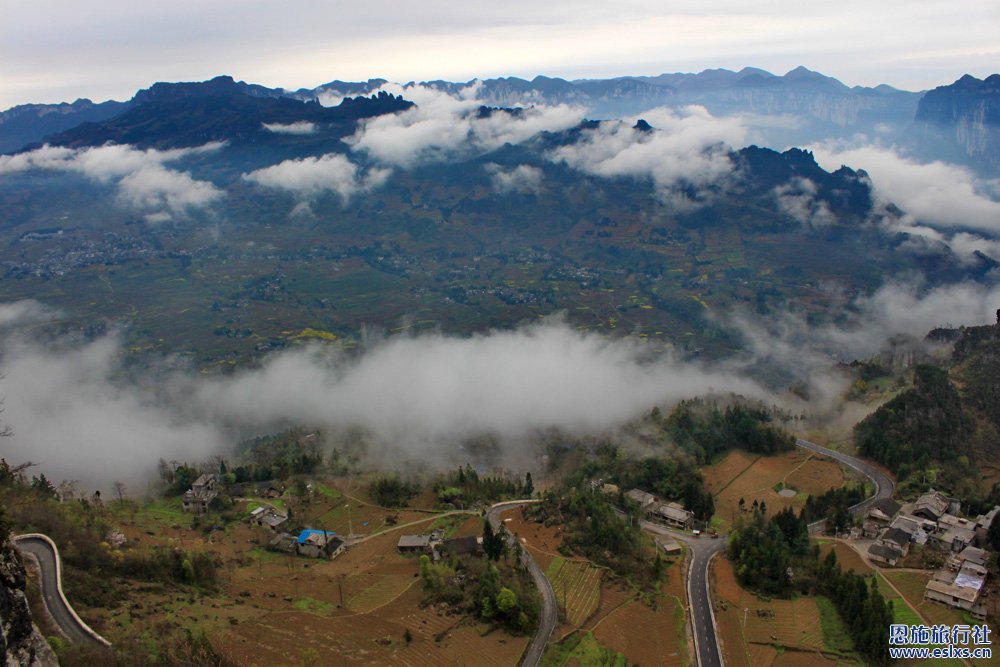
(319, 544)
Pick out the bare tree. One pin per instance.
(68, 489)
(119, 488)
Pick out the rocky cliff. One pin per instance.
(965, 114)
(20, 642)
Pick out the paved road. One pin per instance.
(703, 549)
(549, 614)
(884, 486)
(64, 616)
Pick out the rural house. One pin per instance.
(673, 515)
(961, 590)
(202, 492)
(414, 544)
(932, 505)
(285, 543)
(319, 544)
(645, 500)
(462, 546)
(883, 511)
(884, 554)
(267, 517)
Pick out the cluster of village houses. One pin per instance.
(312, 543)
(434, 544)
(932, 519)
(671, 514)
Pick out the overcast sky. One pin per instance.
(58, 50)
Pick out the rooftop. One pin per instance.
(313, 536)
(414, 541)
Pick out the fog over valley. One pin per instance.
(80, 414)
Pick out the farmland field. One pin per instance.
(644, 634)
(577, 586)
(274, 609)
(542, 541)
(783, 633)
(582, 649)
(751, 477)
(847, 558)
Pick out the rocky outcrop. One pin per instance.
(20, 642)
(965, 114)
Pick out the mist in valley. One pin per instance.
(80, 412)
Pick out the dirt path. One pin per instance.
(793, 470)
(390, 529)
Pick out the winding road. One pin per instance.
(702, 617)
(43, 550)
(549, 615)
(701, 613)
(884, 486)
(705, 548)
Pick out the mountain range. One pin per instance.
(961, 122)
(824, 105)
(226, 220)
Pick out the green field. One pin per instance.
(583, 650)
(836, 637)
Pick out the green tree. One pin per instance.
(506, 601)
(492, 541)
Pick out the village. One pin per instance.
(887, 534)
(931, 523)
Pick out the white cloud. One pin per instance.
(75, 410)
(299, 127)
(689, 147)
(937, 193)
(442, 126)
(417, 391)
(865, 323)
(310, 177)
(523, 178)
(72, 417)
(25, 312)
(797, 198)
(143, 182)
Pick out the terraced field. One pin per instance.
(577, 586)
(776, 633)
(379, 592)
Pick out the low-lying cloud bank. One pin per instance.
(416, 398)
(308, 178)
(443, 127)
(299, 127)
(943, 203)
(142, 180)
(76, 411)
(689, 147)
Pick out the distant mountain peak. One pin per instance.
(802, 71)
